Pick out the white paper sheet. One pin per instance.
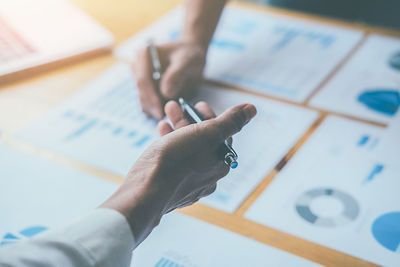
(103, 125)
(389, 149)
(335, 193)
(182, 241)
(271, 54)
(36, 194)
(368, 86)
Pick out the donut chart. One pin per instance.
(386, 230)
(350, 211)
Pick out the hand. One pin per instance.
(182, 63)
(179, 168)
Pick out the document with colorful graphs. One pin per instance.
(275, 55)
(336, 192)
(103, 125)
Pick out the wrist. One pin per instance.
(137, 199)
(195, 41)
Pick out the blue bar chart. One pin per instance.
(270, 54)
(103, 119)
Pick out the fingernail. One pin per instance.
(250, 112)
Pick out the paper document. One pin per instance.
(389, 149)
(335, 193)
(182, 241)
(33, 33)
(103, 125)
(271, 54)
(368, 86)
(260, 145)
(42, 195)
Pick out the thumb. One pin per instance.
(172, 81)
(233, 120)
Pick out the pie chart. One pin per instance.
(386, 230)
(382, 100)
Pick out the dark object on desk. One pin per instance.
(394, 61)
(384, 13)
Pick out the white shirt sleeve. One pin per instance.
(101, 238)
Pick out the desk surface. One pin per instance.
(26, 100)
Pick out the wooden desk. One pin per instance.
(25, 101)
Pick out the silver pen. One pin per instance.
(230, 156)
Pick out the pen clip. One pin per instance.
(190, 111)
(155, 61)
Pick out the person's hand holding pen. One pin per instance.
(180, 168)
(183, 63)
(226, 150)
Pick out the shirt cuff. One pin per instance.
(105, 234)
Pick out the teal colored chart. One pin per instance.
(386, 230)
(381, 100)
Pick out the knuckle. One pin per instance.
(168, 92)
(213, 188)
(141, 83)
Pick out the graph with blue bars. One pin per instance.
(164, 262)
(10, 238)
(101, 125)
(276, 56)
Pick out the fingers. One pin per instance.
(149, 97)
(175, 115)
(205, 110)
(178, 119)
(186, 63)
(164, 128)
(233, 120)
(173, 81)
